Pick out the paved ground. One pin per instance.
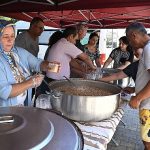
(127, 136)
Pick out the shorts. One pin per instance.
(145, 124)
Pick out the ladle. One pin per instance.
(52, 91)
(69, 80)
(47, 84)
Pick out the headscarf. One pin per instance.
(10, 58)
(6, 25)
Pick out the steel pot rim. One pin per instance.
(53, 91)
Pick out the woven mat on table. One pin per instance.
(98, 134)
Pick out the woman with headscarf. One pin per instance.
(16, 66)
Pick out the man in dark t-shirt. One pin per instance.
(82, 30)
(79, 45)
(77, 70)
(129, 71)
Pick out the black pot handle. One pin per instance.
(52, 93)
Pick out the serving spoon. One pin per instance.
(69, 81)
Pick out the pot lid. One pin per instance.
(32, 128)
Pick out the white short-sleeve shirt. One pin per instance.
(143, 76)
(24, 40)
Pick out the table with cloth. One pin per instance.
(96, 134)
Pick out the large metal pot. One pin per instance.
(122, 82)
(85, 108)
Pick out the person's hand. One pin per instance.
(88, 69)
(129, 90)
(37, 80)
(134, 102)
(50, 66)
(102, 79)
(54, 66)
(94, 68)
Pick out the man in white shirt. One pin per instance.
(138, 38)
(29, 39)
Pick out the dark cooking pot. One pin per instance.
(24, 128)
(122, 82)
(85, 108)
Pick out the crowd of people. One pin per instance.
(21, 70)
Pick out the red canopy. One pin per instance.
(97, 13)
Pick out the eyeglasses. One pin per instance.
(6, 37)
(41, 28)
